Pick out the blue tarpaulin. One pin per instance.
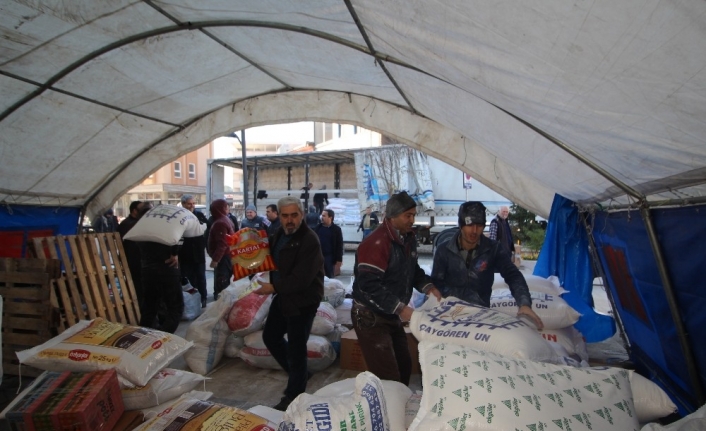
(20, 223)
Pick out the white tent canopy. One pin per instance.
(602, 102)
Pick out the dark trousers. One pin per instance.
(222, 275)
(328, 265)
(290, 355)
(383, 342)
(196, 273)
(162, 284)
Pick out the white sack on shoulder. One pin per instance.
(135, 352)
(459, 322)
(552, 309)
(166, 224)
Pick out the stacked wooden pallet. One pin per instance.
(26, 314)
(95, 279)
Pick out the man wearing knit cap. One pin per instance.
(464, 266)
(252, 220)
(386, 270)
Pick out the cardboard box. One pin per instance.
(351, 357)
(70, 401)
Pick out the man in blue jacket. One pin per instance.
(386, 269)
(464, 266)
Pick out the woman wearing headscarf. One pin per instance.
(218, 247)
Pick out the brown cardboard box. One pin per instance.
(352, 357)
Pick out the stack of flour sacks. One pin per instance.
(232, 327)
(483, 369)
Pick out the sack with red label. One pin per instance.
(250, 252)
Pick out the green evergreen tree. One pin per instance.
(526, 229)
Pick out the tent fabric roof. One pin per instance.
(600, 102)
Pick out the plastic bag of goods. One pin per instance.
(188, 413)
(250, 252)
(459, 322)
(136, 353)
(334, 292)
(166, 224)
(320, 353)
(192, 302)
(553, 310)
(166, 385)
(367, 405)
(396, 397)
(209, 332)
(325, 319)
(343, 313)
(248, 314)
(473, 389)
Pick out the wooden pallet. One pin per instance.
(95, 281)
(26, 315)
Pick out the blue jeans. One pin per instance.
(290, 355)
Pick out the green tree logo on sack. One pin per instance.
(526, 378)
(563, 423)
(509, 380)
(439, 407)
(584, 419)
(564, 373)
(594, 388)
(548, 377)
(605, 414)
(557, 398)
(624, 406)
(459, 424)
(487, 411)
(439, 362)
(613, 380)
(440, 382)
(539, 426)
(575, 393)
(463, 393)
(486, 384)
(503, 364)
(462, 370)
(534, 400)
(513, 405)
(481, 364)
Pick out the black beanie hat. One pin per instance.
(399, 203)
(472, 212)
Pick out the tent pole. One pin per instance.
(671, 301)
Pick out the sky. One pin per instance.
(291, 133)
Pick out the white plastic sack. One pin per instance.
(651, 402)
(166, 224)
(272, 415)
(248, 314)
(192, 304)
(334, 292)
(320, 353)
(232, 347)
(693, 422)
(470, 389)
(412, 408)
(534, 282)
(459, 322)
(569, 338)
(553, 310)
(334, 337)
(136, 353)
(343, 312)
(166, 385)
(366, 408)
(209, 332)
(396, 396)
(325, 319)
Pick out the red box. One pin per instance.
(70, 401)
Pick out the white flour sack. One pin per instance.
(534, 282)
(396, 396)
(365, 409)
(470, 389)
(136, 353)
(554, 311)
(651, 402)
(325, 319)
(166, 385)
(334, 291)
(456, 321)
(248, 314)
(343, 312)
(569, 338)
(166, 224)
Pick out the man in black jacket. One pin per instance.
(192, 255)
(298, 287)
(331, 239)
(386, 269)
